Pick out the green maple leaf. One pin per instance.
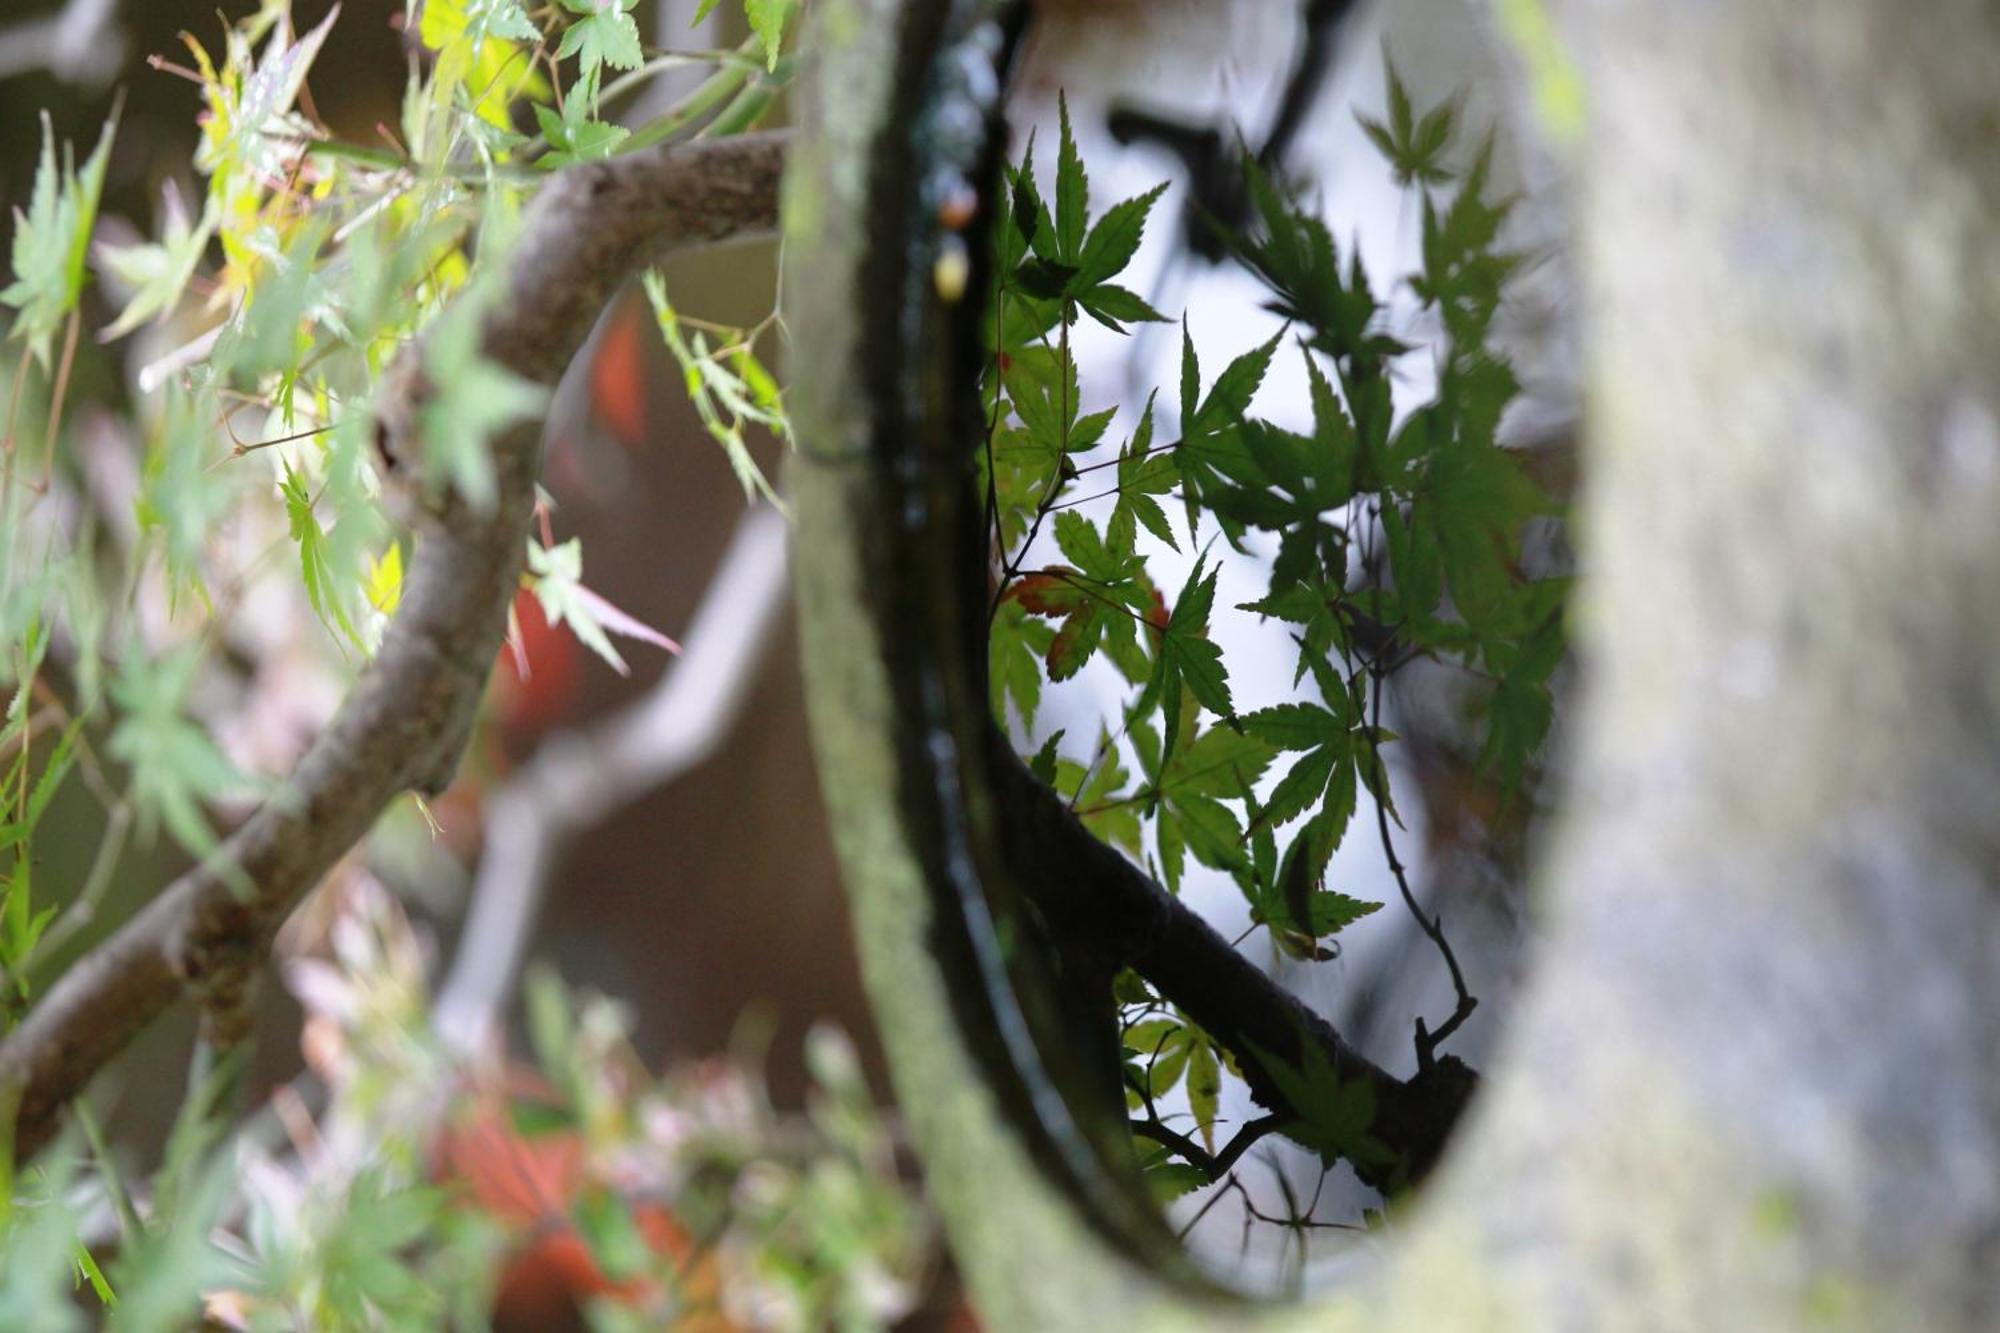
(1104, 253)
(175, 766)
(1414, 146)
(1169, 1180)
(1072, 193)
(476, 398)
(157, 272)
(1143, 473)
(322, 588)
(1295, 905)
(1326, 741)
(1015, 645)
(1114, 238)
(1190, 784)
(52, 239)
(1316, 608)
(1221, 763)
(604, 33)
(1096, 792)
(574, 136)
(1188, 660)
(1211, 452)
(1158, 1048)
(503, 19)
(183, 494)
(1044, 764)
(1331, 1116)
(767, 19)
(558, 575)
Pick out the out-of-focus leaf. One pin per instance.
(601, 33)
(475, 399)
(175, 767)
(768, 19)
(52, 239)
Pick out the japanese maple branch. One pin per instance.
(404, 722)
(1213, 1165)
(1093, 897)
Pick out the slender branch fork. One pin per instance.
(405, 721)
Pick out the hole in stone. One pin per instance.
(1276, 589)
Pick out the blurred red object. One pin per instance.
(531, 1180)
(537, 676)
(619, 374)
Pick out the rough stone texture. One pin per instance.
(1758, 1069)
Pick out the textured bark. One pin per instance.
(1753, 1083)
(404, 723)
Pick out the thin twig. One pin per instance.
(61, 390)
(1213, 1165)
(1433, 927)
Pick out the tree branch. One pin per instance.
(404, 722)
(1214, 1165)
(1094, 897)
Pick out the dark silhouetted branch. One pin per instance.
(1093, 896)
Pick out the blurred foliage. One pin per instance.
(428, 1190)
(259, 320)
(191, 563)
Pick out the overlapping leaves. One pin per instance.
(1394, 534)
